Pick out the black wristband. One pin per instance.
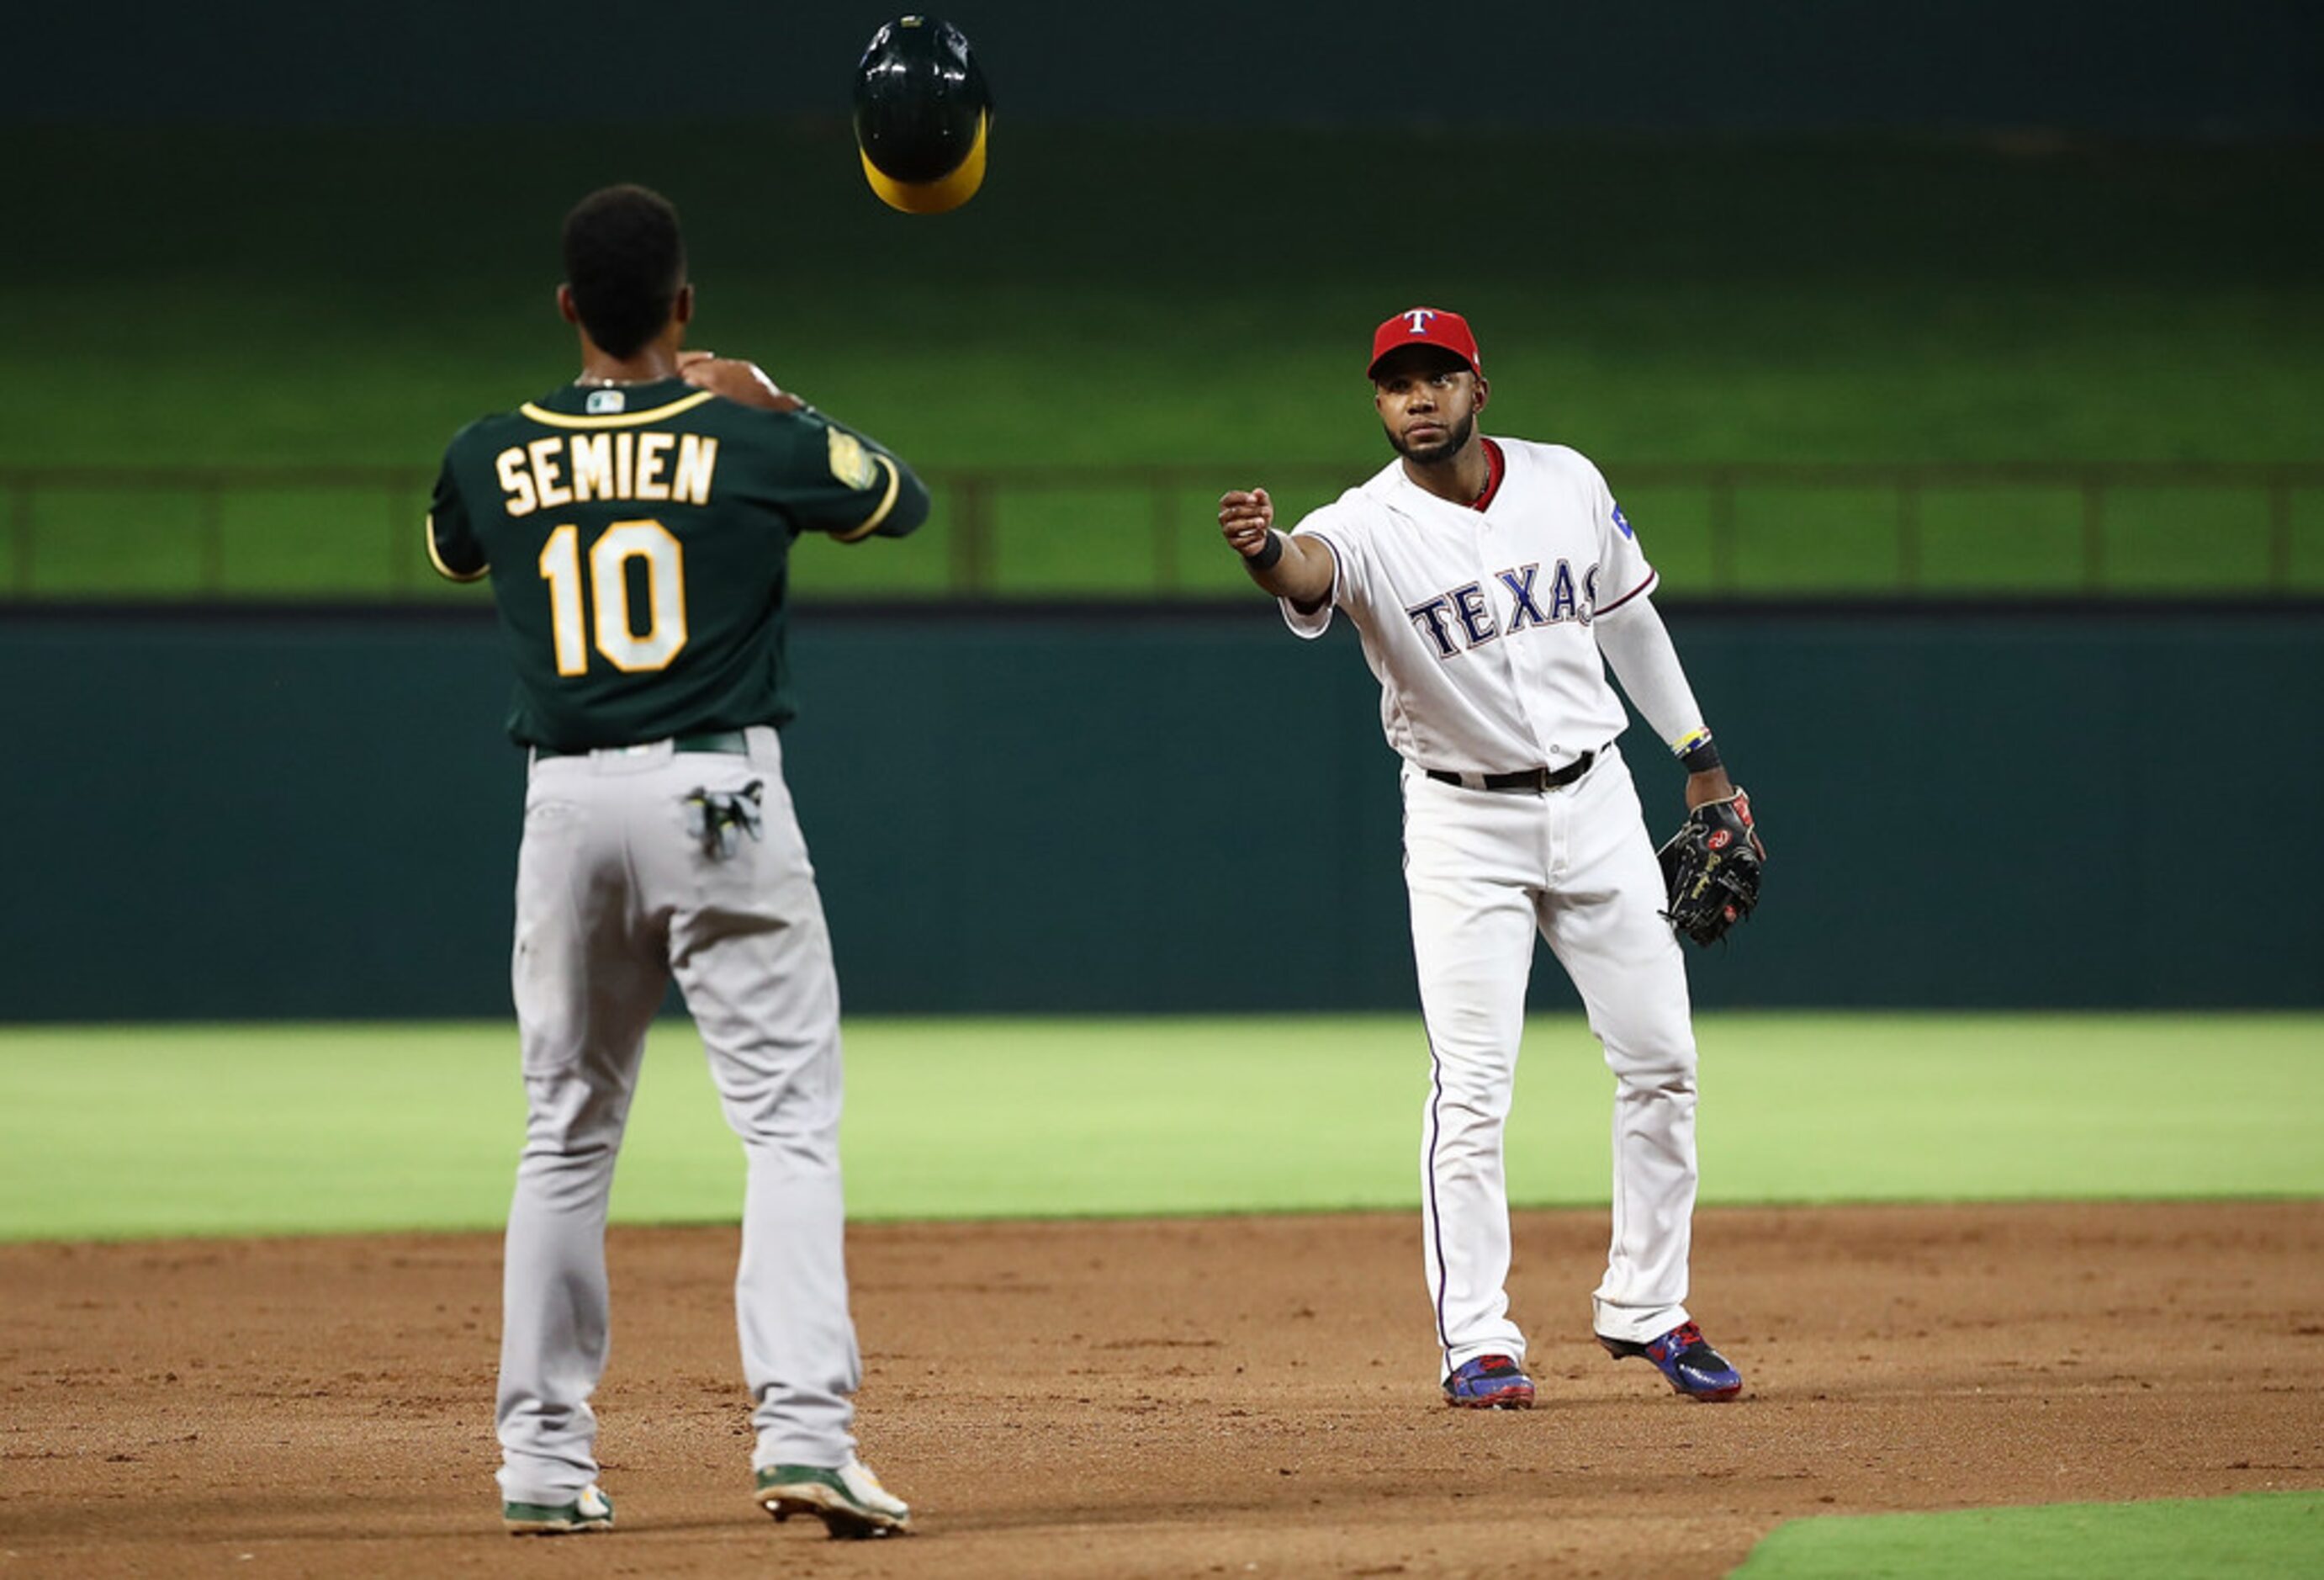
(1699, 758)
(1267, 556)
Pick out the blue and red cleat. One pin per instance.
(1489, 1383)
(1686, 1359)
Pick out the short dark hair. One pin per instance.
(625, 262)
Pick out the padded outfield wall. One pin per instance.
(314, 815)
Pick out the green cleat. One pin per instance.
(592, 1510)
(849, 1501)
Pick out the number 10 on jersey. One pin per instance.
(601, 618)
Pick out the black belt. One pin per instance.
(734, 742)
(1527, 778)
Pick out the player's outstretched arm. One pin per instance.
(1292, 567)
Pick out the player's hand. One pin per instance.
(737, 380)
(1245, 518)
(1702, 789)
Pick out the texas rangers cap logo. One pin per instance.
(1426, 326)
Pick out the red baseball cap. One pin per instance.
(1426, 326)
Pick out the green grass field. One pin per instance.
(2260, 1535)
(113, 1133)
(116, 1132)
(1116, 297)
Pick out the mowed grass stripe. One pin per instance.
(2251, 1537)
(124, 1132)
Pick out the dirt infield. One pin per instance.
(1214, 1397)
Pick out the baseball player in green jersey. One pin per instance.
(636, 524)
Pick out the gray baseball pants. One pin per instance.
(615, 896)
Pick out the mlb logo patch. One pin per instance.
(604, 401)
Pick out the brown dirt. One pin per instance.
(1219, 1397)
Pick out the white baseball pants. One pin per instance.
(1486, 870)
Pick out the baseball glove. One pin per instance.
(1711, 869)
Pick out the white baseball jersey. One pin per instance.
(1477, 623)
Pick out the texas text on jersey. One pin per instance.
(1477, 620)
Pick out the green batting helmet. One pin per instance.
(922, 114)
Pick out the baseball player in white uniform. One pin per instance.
(1493, 581)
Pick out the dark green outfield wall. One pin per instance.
(2148, 66)
(316, 816)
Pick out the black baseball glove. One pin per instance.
(1711, 868)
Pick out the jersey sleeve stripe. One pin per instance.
(1310, 623)
(1605, 609)
(887, 504)
(444, 571)
(1339, 563)
(542, 414)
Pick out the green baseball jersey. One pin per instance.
(639, 541)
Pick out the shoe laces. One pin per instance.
(1678, 1342)
(1488, 1369)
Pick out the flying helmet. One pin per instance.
(922, 116)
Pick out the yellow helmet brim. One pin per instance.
(945, 192)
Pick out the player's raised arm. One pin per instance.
(897, 499)
(871, 492)
(737, 380)
(1288, 567)
(453, 548)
